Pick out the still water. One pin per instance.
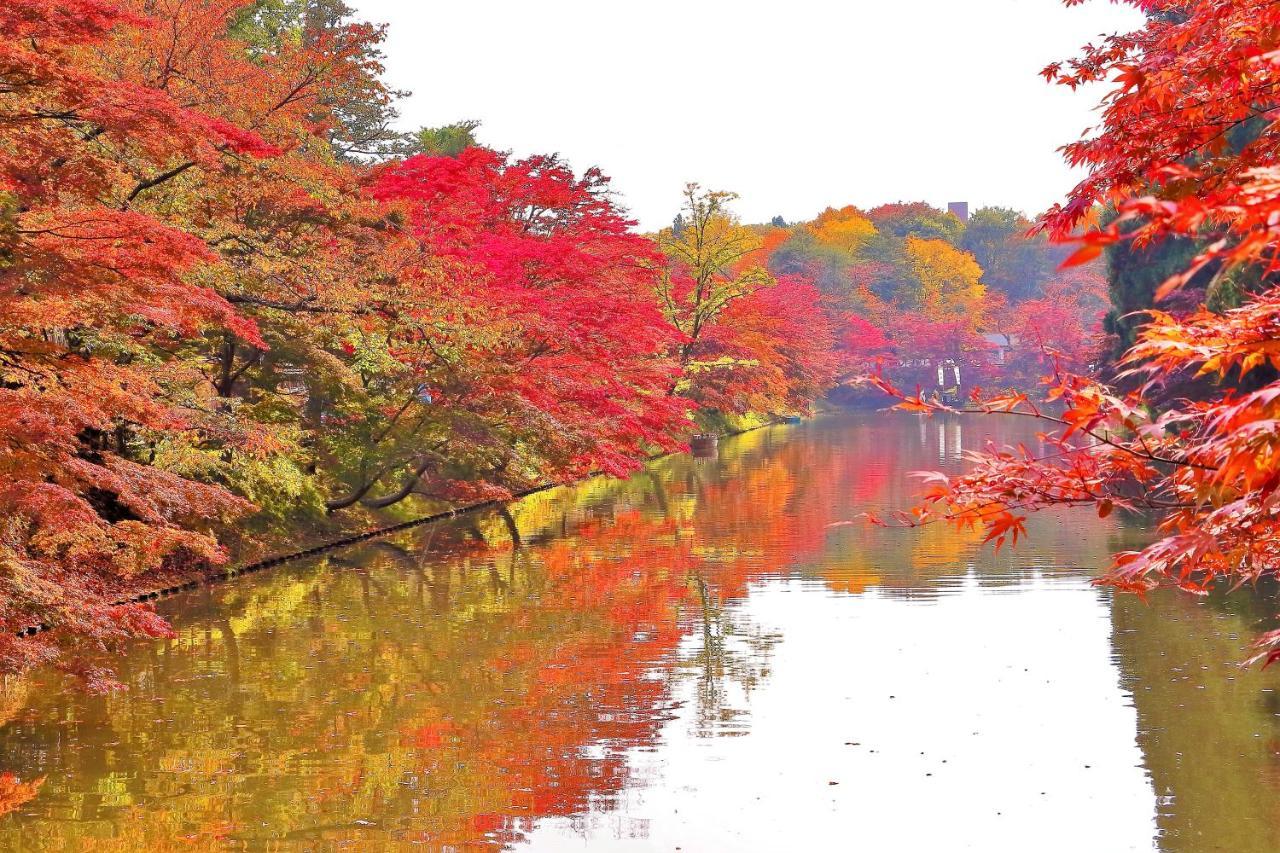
(712, 656)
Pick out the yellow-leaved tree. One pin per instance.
(845, 228)
(948, 281)
(714, 261)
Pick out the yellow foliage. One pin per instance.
(846, 228)
(949, 280)
(715, 260)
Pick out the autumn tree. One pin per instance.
(1058, 329)
(945, 282)
(846, 228)
(782, 347)
(96, 295)
(824, 251)
(182, 245)
(525, 341)
(866, 343)
(299, 250)
(358, 115)
(712, 263)
(909, 292)
(1194, 72)
(827, 265)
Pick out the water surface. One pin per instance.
(713, 655)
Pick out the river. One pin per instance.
(716, 654)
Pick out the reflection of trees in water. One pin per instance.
(730, 659)
(1207, 728)
(360, 705)
(459, 682)
(492, 682)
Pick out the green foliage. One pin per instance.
(8, 228)
(449, 140)
(828, 266)
(1233, 287)
(280, 489)
(1133, 275)
(363, 107)
(1012, 263)
(917, 220)
(729, 423)
(269, 25)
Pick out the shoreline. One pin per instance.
(345, 541)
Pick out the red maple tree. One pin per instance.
(1188, 146)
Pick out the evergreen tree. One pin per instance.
(448, 140)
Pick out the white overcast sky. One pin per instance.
(794, 105)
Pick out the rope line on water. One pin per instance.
(343, 542)
(293, 556)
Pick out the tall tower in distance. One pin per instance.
(959, 209)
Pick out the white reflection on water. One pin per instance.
(987, 718)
